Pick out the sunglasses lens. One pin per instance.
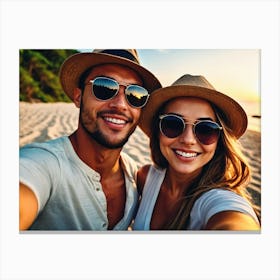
(207, 132)
(171, 126)
(136, 96)
(104, 88)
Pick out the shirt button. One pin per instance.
(98, 189)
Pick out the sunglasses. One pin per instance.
(172, 126)
(104, 89)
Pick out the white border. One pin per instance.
(150, 24)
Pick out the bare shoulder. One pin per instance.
(232, 220)
(141, 177)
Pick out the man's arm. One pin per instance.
(232, 220)
(28, 207)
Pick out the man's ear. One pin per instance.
(77, 95)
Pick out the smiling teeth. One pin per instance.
(115, 121)
(186, 155)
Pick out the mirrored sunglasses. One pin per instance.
(104, 89)
(207, 132)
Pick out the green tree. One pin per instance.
(39, 75)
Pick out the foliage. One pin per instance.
(39, 75)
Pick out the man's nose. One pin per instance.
(119, 101)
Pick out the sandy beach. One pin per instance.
(43, 121)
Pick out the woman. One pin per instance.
(199, 177)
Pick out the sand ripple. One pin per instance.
(40, 122)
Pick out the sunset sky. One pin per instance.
(235, 72)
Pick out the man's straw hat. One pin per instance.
(195, 86)
(73, 67)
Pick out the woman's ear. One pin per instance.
(77, 95)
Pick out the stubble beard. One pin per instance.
(96, 134)
(104, 141)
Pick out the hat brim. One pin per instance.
(77, 64)
(236, 117)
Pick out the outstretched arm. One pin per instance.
(28, 207)
(232, 220)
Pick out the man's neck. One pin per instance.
(103, 160)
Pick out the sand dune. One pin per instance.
(41, 121)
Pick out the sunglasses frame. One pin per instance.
(91, 82)
(161, 117)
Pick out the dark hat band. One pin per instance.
(121, 53)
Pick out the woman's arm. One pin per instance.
(141, 177)
(232, 220)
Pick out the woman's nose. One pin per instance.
(188, 136)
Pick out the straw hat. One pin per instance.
(73, 67)
(195, 86)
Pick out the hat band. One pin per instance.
(121, 53)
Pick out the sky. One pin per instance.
(235, 72)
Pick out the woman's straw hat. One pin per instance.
(73, 67)
(195, 86)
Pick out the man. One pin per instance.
(84, 181)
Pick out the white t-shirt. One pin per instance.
(208, 204)
(68, 191)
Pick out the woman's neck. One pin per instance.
(179, 183)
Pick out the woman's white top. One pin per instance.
(207, 205)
